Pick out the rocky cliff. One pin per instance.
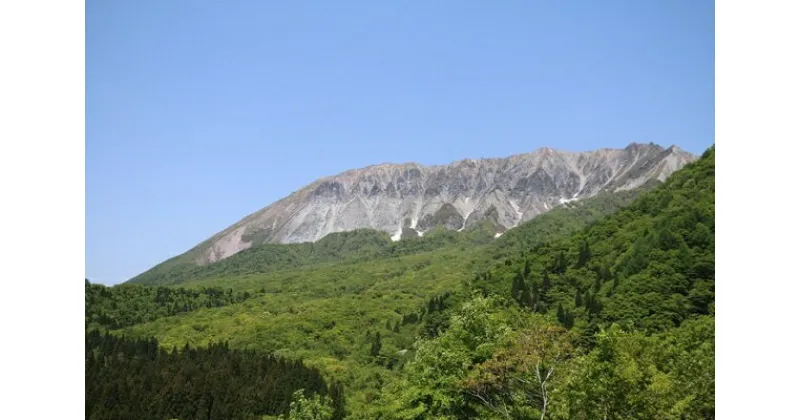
(407, 199)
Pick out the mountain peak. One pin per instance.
(675, 149)
(642, 146)
(544, 150)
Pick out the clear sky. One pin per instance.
(201, 112)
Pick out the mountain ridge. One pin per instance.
(407, 198)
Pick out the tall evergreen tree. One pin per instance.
(516, 288)
(561, 263)
(584, 254)
(526, 272)
(375, 350)
(525, 296)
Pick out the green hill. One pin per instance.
(614, 322)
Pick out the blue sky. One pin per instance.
(201, 112)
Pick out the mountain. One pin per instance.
(627, 287)
(411, 199)
(369, 244)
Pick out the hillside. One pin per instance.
(614, 283)
(650, 264)
(357, 245)
(410, 199)
(614, 322)
(368, 244)
(213, 382)
(320, 310)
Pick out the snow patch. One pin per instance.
(464, 225)
(398, 234)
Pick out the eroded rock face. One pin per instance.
(404, 198)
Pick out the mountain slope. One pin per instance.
(633, 271)
(366, 244)
(403, 199)
(320, 312)
(634, 297)
(651, 264)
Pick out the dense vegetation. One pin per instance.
(615, 322)
(129, 304)
(357, 245)
(135, 379)
(650, 265)
(505, 362)
(601, 309)
(561, 222)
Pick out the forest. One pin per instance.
(136, 379)
(603, 308)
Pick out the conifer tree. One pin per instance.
(525, 296)
(584, 254)
(376, 345)
(516, 288)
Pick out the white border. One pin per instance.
(43, 208)
(757, 288)
(43, 211)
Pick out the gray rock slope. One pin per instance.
(397, 198)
